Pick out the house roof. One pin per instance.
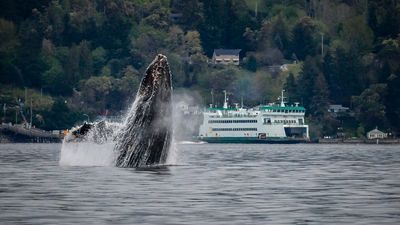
(221, 51)
(375, 131)
(337, 107)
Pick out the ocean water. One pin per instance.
(209, 184)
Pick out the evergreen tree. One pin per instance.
(329, 69)
(306, 83)
(280, 33)
(369, 107)
(320, 100)
(291, 88)
(303, 41)
(349, 77)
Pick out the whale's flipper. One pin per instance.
(145, 137)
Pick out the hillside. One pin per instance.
(76, 57)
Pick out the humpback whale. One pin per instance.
(145, 136)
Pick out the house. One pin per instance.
(337, 109)
(376, 134)
(226, 56)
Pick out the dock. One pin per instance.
(19, 133)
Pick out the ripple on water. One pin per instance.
(212, 184)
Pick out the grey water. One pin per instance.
(211, 184)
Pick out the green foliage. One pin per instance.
(60, 116)
(94, 52)
(304, 40)
(54, 78)
(360, 39)
(291, 88)
(369, 106)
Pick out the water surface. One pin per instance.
(212, 184)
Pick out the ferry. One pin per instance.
(272, 123)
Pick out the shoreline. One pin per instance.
(395, 141)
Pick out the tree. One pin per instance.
(193, 43)
(291, 88)
(211, 30)
(392, 101)
(60, 116)
(191, 12)
(99, 57)
(280, 36)
(303, 40)
(54, 78)
(29, 62)
(329, 69)
(369, 107)
(357, 40)
(8, 44)
(306, 82)
(384, 18)
(320, 100)
(251, 63)
(348, 79)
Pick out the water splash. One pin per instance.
(87, 154)
(172, 158)
(96, 148)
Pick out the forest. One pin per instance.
(72, 59)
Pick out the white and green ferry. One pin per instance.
(272, 123)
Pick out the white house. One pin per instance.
(226, 56)
(376, 134)
(337, 109)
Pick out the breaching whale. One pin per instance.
(145, 136)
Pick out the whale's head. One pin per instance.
(157, 80)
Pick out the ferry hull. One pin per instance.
(253, 140)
